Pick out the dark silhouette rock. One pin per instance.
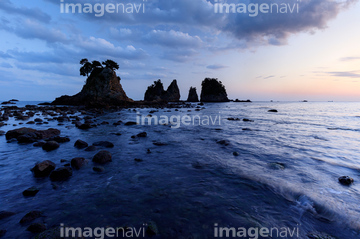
(273, 111)
(32, 134)
(43, 169)
(77, 163)
(130, 123)
(223, 142)
(156, 92)
(31, 216)
(2, 232)
(91, 148)
(50, 145)
(193, 96)
(213, 91)
(102, 88)
(60, 139)
(346, 180)
(105, 144)
(99, 169)
(102, 157)
(30, 192)
(61, 174)
(80, 144)
(36, 227)
(5, 214)
(39, 144)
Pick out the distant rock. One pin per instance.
(43, 169)
(156, 92)
(80, 144)
(99, 169)
(2, 232)
(61, 174)
(102, 88)
(346, 180)
(50, 145)
(223, 142)
(130, 123)
(193, 96)
(102, 157)
(213, 91)
(273, 111)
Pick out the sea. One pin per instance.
(274, 170)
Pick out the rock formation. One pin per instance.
(213, 91)
(193, 96)
(156, 92)
(102, 88)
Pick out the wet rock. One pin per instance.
(30, 192)
(246, 129)
(27, 138)
(60, 139)
(346, 180)
(61, 174)
(105, 144)
(233, 119)
(30, 122)
(36, 227)
(160, 143)
(84, 126)
(43, 169)
(276, 166)
(102, 157)
(140, 135)
(91, 148)
(138, 160)
(38, 120)
(2, 232)
(77, 163)
(31, 216)
(80, 144)
(6, 214)
(152, 229)
(247, 120)
(50, 145)
(130, 123)
(38, 134)
(99, 169)
(273, 110)
(236, 153)
(223, 142)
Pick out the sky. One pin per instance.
(310, 50)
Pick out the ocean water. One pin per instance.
(286, 173)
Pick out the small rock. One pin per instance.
(102, 157)
(223, 142)
(84, 126)
(31, 216)
(77, 163)
(80, 144)
(138, 160)
(50, 145)
(91, 148)
(39, 144)
(36, 228)
(99, 169)
(5, 214)
(38, 120)
(277, 166)
(247, 120)
(43, 169)
(30, 192)
(61, 174)
(30, 122)
(273, 110)
(160, 143)
(346, 180)
(236, 153)
(246, 129)
(60, 139)
(105, 144)
(151, 229)
(141, 135)
(2, 232)
(130, 123)
(2, 133)
(233, 119)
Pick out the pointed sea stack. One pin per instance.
(102, 88)
(213, 91)
(156, 92)
(193, 96)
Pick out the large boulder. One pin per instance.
(43, 169)
(156, 92)
(193, 96)
(28, 135)
(102, 157)
(61, 174)
(213, 91)
(102, 88)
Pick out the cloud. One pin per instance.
(349, 58)
(4, 55)
(216, 67)
(172, 39)
(6, 65)
(268, 77)
(34, 13)
(349, 74)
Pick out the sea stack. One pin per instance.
(102, 88)
(213, 91)
(156, 92)
(193, 96)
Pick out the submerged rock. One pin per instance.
(102, 157)
(50, 145)
(152, 229)
(223, 142)
(36, 227)
(2, 232)
(78, 163)
(36, 134)
(80, 144)
(43, 169)
(276, 166)
(31, 216)
(346, 180)
(61, 174)
(99, 169)
(6, 214)
(91, 148)
(30, 192)
(105, 144)
(273, 110)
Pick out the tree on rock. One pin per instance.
(96, 64)
(86, 68)
(111, 64)
(213, 91)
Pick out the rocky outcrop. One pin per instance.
(28, 135)
(213, 91)
(156, 92)
(102, 88)
(193, 96)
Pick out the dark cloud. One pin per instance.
(349, 74)
(4, 55)
(34, 13)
